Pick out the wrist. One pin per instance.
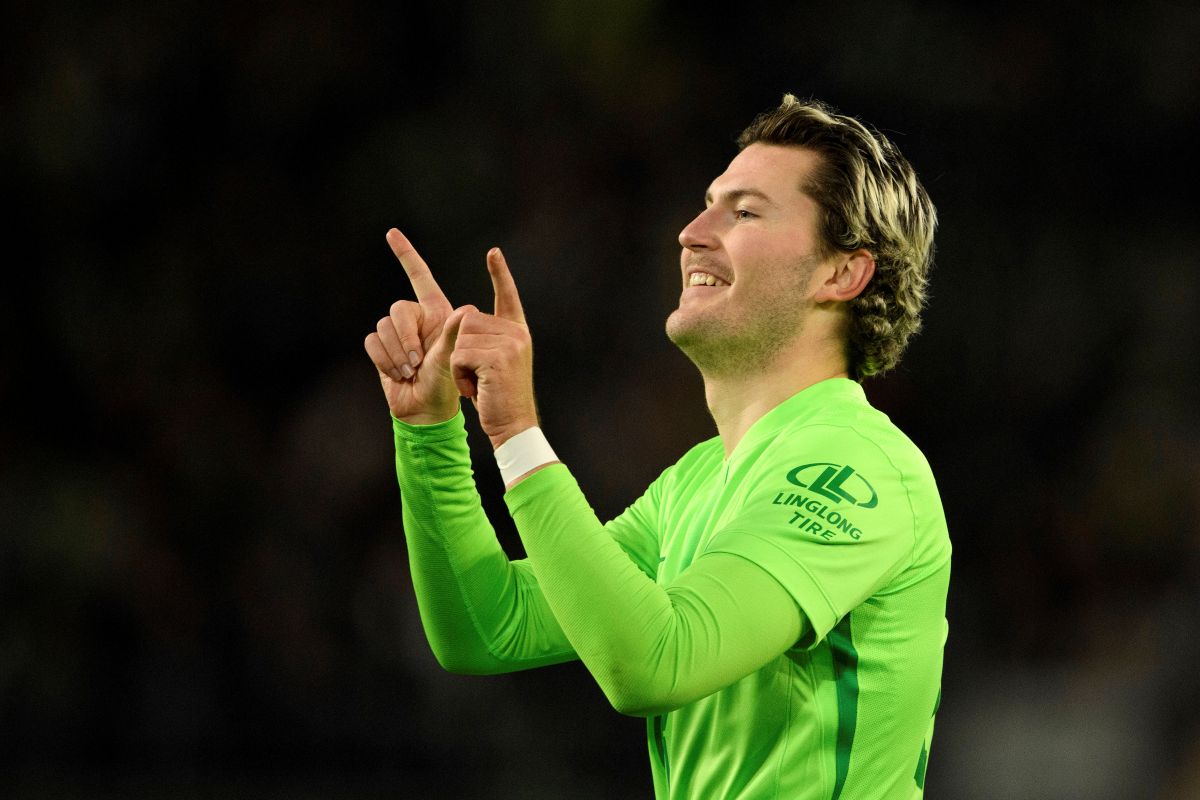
(421, 435)
(522, 454)
(427, 417)
(500, 437)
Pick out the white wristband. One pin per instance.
(523, 452)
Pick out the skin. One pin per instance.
(777, 326)
(429, 354)
(774, 327)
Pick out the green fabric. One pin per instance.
(482, 614)
(708, 605)
(651, 648)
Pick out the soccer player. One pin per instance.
(774, 603)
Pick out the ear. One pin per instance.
(851, 273)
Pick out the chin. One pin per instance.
(687, 332)
(678, 326)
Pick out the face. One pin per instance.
(747, 262)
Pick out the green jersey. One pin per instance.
(824, 513)
(841, 508)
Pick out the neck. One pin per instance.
(737, 400)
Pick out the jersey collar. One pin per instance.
(805, 405)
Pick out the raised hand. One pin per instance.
(492, 362)
(411, 346)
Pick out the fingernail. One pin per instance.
(406, 371)
(413, 358)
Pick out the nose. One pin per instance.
(698, 234)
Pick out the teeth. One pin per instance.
(704, 279)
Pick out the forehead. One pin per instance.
(778, 171)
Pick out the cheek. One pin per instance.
(761, 260)
(757, 243)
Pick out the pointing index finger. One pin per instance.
(419, 275)
(508, 302)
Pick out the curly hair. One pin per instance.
(869, 198)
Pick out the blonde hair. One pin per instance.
(870, 198)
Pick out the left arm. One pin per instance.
(651, 648)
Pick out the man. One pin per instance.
(774, 604)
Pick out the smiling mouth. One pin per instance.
(705, 279)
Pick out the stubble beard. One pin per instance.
(747, 342)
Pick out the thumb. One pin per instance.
(444, 345)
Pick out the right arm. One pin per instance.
(482, 613)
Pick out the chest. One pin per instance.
(693, 514)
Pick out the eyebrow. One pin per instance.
(733, 195)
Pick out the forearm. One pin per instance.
(650, 648)
(482, 613)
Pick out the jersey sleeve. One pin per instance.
(651, 648)
(828, 514)
(482, 613)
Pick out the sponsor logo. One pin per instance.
(841, 484)
(813, 516)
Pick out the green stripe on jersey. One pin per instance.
(845, 672)
(825, 494)
(656, 724)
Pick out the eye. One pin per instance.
(742, 213)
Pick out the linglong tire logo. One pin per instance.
(836, 482)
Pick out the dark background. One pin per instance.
(202, 571)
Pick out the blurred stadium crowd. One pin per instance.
(202, 568)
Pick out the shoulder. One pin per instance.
(849, 436)
(682, 480)
(852, 458)
(697, 464)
